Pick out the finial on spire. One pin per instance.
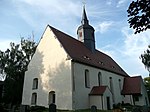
(84, 17)
(84, 3)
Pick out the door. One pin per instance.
(108, 102)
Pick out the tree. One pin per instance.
(13, 64)
(139, 15)
(146, 58)
(147, 85)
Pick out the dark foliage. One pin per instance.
(13, 64)
(139, 15)
(146, 58)
(147, 85)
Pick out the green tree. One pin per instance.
(139, 15)
(13, 64)
(146, 58)
(146, 61)
(147, 85)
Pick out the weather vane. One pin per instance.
(84, 2)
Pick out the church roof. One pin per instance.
(78, 52)
(132, 85)
(98, 90)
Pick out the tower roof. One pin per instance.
(84, 17)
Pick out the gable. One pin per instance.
(79, 53)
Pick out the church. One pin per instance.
(74, 75)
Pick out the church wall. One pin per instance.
(100, 101)
(96, 100)
(53, 70)
(106, 94)
(81, 92)
(128, 99)
(143, 97)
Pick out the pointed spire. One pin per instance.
(84, 17)
(85, 32)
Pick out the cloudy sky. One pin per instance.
(22, 18)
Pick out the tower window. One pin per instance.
(80, 34)
(34, 98)
(35, 83)
(87, 79)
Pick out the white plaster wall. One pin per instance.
(107, 93)
(142, 100)
(51, 67)
(100, 101)
(118, 98)
(81, 93)
(96, 100)
(128, 99)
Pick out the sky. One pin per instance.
(25, 18)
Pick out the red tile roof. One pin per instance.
(79, 53)
(132, 85)
(98, 90)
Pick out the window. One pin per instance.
(51, 98)
(34, 98)
(99, 78)
(35, 83)
(87, 79)
(136, 98)
(111, 84)
(119, 84)
(80, 34)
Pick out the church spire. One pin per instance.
(84, 17)
(85, 32)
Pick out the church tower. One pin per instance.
(85, 32)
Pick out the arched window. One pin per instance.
(120, 84)
(99, 79)
(51, 97)
(87, 79)
(35, 83)
(34, 98)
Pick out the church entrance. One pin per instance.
(108, 102)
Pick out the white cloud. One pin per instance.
(127, 54)
(134, 46)
(56, 7)
(104, 26)
(121, 2)
(5, 43)
(109, 2)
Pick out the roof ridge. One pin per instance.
(76, 39)
(80, 53)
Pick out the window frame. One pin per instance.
(87, 78)
(35, 83)
(34, 98)
(99, 78)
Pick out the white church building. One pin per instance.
(74, 75)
